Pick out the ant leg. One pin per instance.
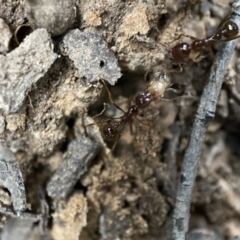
(173, 90)
(168, 100)
(226, 17)
(229, 39)
(173, 99)
(119, 136)
(131, 130)
(129, 102)
(180, 66)
(149, 43)
(188, 63)
(212, 56)
(102, 121)
(198, 57)
(141, 121)
(183, 35)
(165, 46)
(104, 108)
(110, 96)
(129, 105)
(130, 122)
(146, 75)
(179, 69)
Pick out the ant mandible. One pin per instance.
(113, 130)
(185, 54)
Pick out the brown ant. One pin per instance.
(113, 130)
(185, 54)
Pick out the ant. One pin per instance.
(185, 54)
(113, 130)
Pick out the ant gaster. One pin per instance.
(184, 53)
(155, 90)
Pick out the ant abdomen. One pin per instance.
(230, 29)
(182, 52)
(110, 131)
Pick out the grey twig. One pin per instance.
(171, 178)
(204, 115)
(170, 160)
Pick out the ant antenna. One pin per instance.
(104, 109)
(110, 96)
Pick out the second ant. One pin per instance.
(183, 54)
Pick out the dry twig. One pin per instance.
(204, 115)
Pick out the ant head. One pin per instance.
(230, 29)
(184, 49)
(110, 131)
(180, 51)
